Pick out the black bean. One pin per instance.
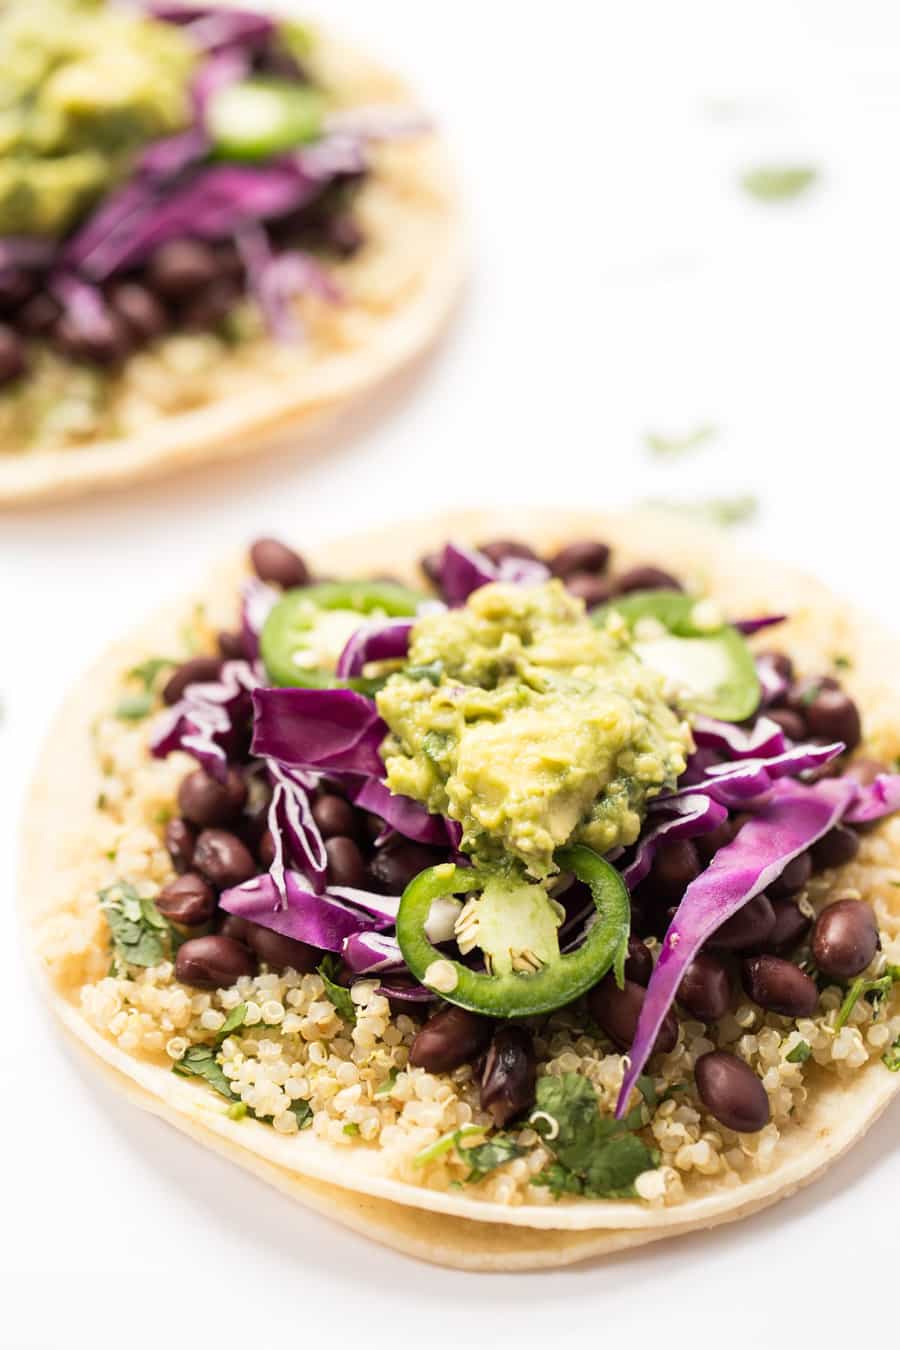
(275, 562)
(780, 661)
(38, 315)
(832, 716)
(674, 867)
(453, 1036)
(791, 723)
(793, 878)
(265, 850)
(802, 692)
(213, 962)
(139, 308)
(233, 926)
(791, 927)
(582, 555)
(180, 838)
(707, 845)
(749, 927)
(731, 1091)
(835, 848)
(639, 962)
(509, 1074)
(231, 645)
(210, 307)
(12, 355)
(705, 990)
(104, 341)
(182, 266)
(188, 900)
(592, 590)
(199, 670)
(278, 951)
(395, 866)
(223, 859)
(779, 986)
(431, 566)
(16, 285)
(617, 1011)
(205, 801)
(498, 549)
(844, 938)
(647, 578)
(334, 815)
(344, 235)
(345, 862)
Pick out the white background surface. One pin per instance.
(621, 281)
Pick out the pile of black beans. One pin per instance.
(186, 286)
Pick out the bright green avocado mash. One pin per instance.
(528, 725)
(81, 87)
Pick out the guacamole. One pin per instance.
(81, 87)
(529, 726)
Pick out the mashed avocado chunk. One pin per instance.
(533, 729)
(81, 87)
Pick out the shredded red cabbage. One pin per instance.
(794, 819)
(292, 824)
(745, 781)
(772, 683)
(372, 953)
(331, 730)
(764, 738)
(748, 626)
(207, 720)
(322, 921)
(694, 814)
(875, 800)
(382, 640)
(211, 27)
(276, 280)
(463, 570)
(257, 599)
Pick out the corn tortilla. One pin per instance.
(350, 1184)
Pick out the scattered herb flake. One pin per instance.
(237, 1111)
(148, 671)
(134, 707)
(199, 1061)
(891, 1056)
(486, 1157)
(431, 672)
(722, 511)
(595, 1155)
(100, 803)
(235, 1019)
(140, 934)
(351, 1128)
(443, 1145)
(842, 662)
(671, 446)
(338, 995)
(800, 1053)
(778, 183)
(387, 1087)
(303, 1111)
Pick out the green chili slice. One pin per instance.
(517, 994)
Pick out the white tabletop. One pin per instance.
(622, 282)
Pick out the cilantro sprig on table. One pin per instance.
(594, 1155)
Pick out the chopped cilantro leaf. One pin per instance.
(891, 1056)
(841, 662)
(484, 1158)
(147, 672)
(303, 1111)
(351, 1128)
(338, 995)
(876, 991)
(800, 1053)
(387, 1087)
(199, 1061)
(140, 934)
(235, 1019)
(671, 446)
(714, 510)
(134, 707)
(595, 1155)
(778, 183)
(237, 1111)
